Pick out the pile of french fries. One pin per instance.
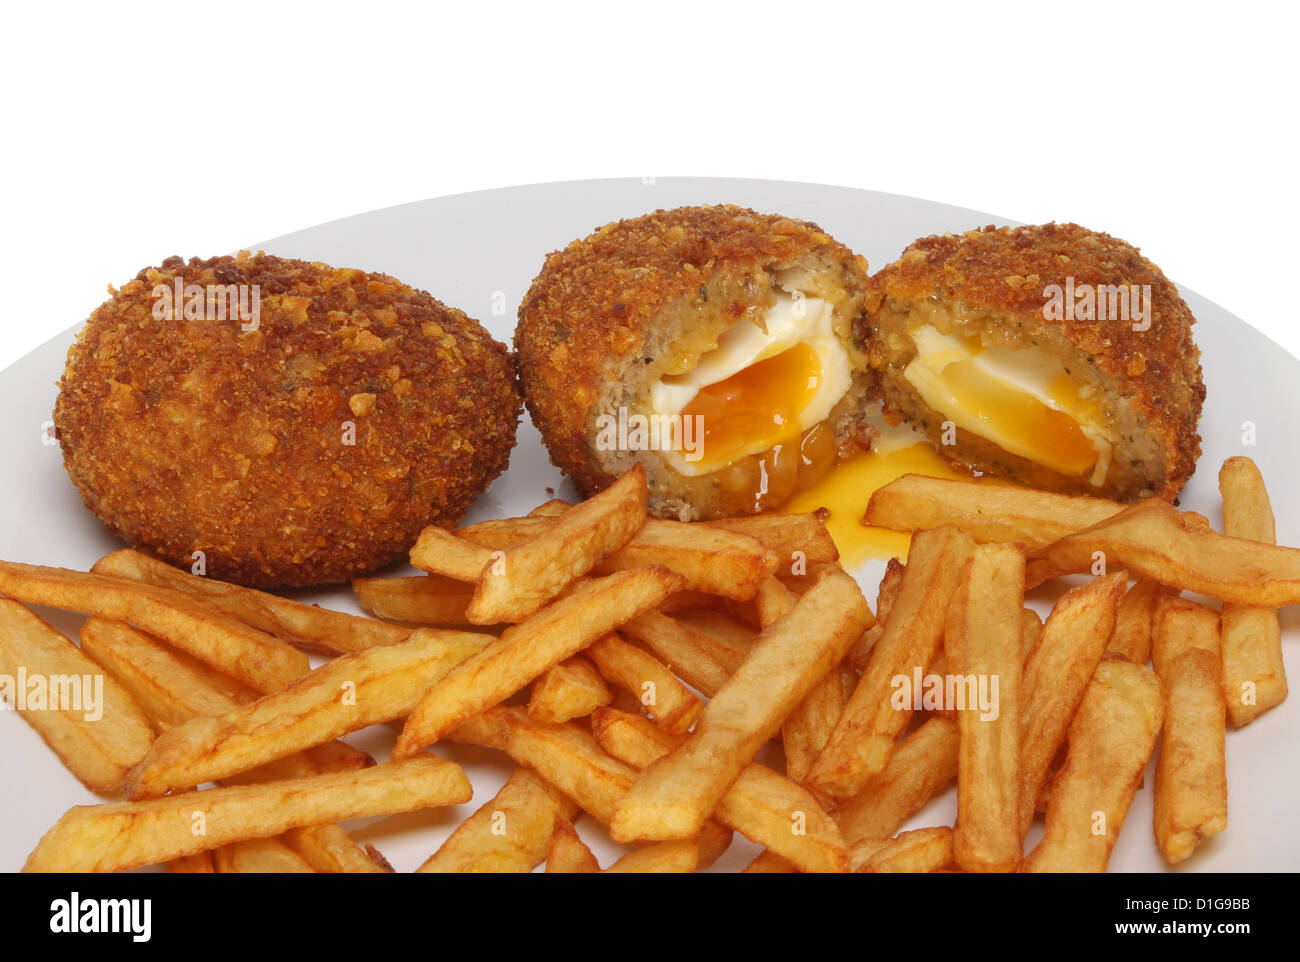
(634, 669)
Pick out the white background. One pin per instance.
(143, 130)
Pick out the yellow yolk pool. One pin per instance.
(845, 491)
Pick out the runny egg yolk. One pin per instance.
(758, 405)
(761, 386)
(1022, 400)
(1020, 421)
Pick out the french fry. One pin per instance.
(525, 651)
(1111, 738)
(259, 660)
(568, 854)
(200, 863)
(566, 756)
(344, 695)
(308, 626)
(440, 552)
(1254, 677)
(797, 539)
(672, 798)
(571, 689)
(676, 856)
(764, 806)
(920, 850)
(922, 766)
(686, 653)
(1032, 630)
(773, 601)
(171, 688)
(1056, 676)
(511, 832)
(983, 638)
(712, 560)
(712, 843)
(727, 639)
(1178, 626)
(528, 575)
(327, 848)
(673, 706)
(808, 728)
(865, 735)
(769, 863)
(1132, 635)
(892, 580)
(88, 719)
(1152, 540)
(424, 599)
(122, 835)
(989, 513)
(1191, 793)
(550, 509)
(259, 856)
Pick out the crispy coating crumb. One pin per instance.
(998, 276)
(603, 311)
(303, 452)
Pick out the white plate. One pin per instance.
(480, 252)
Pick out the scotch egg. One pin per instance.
(1052, 355)
(714, 345)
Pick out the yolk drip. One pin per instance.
(757, 406)
(845, 491)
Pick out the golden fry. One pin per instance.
(525, 651)
(764, 806)
(424, 599)
(343, 695)
(571, 689)
(528, 575)
(1111, 738)
(922, 766)
(1056, 676)
(1254, 677)
(511, 832)
(86, 717)
(1191, 797)
(672, 798)
(259, 660)
(673, 706)
(983, 640)
(1152, 540)
(866, 733)
(308, 626)
(921, 850)
(568, 854)
(989, 513)
(121, 835)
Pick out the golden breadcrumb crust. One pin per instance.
(191, 435)
(1001, 274)
(607, 301)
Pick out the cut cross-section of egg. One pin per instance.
(1022, 400)
(760, 387)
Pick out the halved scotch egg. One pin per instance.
(1053, 355)
(714, 345)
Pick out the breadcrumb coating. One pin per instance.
(305, 451)
(996, 278)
